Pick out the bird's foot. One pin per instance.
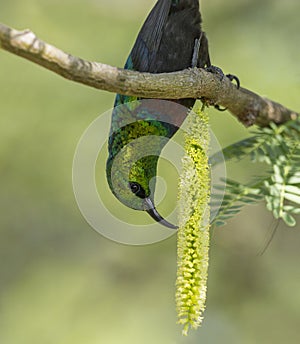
(218, 71)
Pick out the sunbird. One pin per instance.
(171, 39)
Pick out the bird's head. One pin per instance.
(139, 131)
(133, 184)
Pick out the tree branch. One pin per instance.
(247, 106)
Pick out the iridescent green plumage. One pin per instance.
(137, 137)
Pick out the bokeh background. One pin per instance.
(60, 281)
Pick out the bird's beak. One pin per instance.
(151, 210)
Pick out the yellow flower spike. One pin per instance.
(193, 232)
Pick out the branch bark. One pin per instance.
(247, 106)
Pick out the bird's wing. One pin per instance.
(143, 53)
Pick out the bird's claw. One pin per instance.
(218, 71)
(232, 77)
(217, 107)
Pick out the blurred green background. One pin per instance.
(60, 281)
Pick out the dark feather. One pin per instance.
(167, 38)
(144, 51)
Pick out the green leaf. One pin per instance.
(288, 219)
(293, 189)
(292, 197)
(219, 223)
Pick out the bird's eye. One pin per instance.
(137, 189)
